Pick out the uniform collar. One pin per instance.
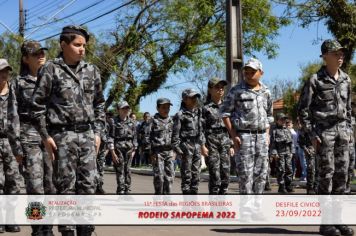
(323, 73)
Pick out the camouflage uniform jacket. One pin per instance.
(325, 101)
(62, 97)
(9, 121)
(142, 130)
(122, 134)
(23, 87)
(248, 109)
(159, 133)
(187, 127)
(213, 125)
(281, 141)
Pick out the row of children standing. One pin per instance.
(215, 131)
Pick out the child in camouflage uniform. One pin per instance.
(281, 150)
(247, 114)
(159, 136)
(187, 140)
(10, 146)
(325, 113)
(38, 166)
(217, 148)
(122, 143)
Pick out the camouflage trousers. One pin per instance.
(100, 161)
(38, 171)
(190, 167)
(75, 162)
(218, 164)
(351, 166)
(284, 169)
(163, 171)
(123, 170)
(333, 159)
(252, 163)
(9, 169)
(312, 171)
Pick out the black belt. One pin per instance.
(247, 131)
(79, 128)
(3, 135)
(191, 139)
(217, 131)
(162, 148)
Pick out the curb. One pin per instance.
(205, 176)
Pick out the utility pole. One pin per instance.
(234, 61)
(21, 19)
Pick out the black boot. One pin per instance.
(47, 230)
(12, 228)
(99, 189)
(329, 230)
(36, 230)
(66, 230)
(345, 230)
(290, 189)
(268, 187)
(282, 189)
(85, 230)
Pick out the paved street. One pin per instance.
(143, 184)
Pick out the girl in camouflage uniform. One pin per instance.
(38, 165)
(187, 140)
(218, 143)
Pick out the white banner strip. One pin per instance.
(178, 209)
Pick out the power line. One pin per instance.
(70, 15)
(95, 18)
(36, 6)
(70, 3)
(44, 8)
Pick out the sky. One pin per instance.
(297, 46)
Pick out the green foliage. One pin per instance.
(168, 36)
(260, 27)
(339, 16)
(308, 70)
(10, 50)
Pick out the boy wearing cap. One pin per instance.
(159, 138)
(281, 150)
(10, 146)
(247, 114)
(217, 147)
(68, 100)
(325, 113)
(122, 143)
(187, 140)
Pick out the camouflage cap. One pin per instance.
(122, 104)
(330, 45)
(161, 101)
(254, 64)
(190, 93)
(76, 29)
(31, 47)
(214, 81)
(4, 64)
(281, 115)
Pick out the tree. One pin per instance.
(339, 16)
(163, 37)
